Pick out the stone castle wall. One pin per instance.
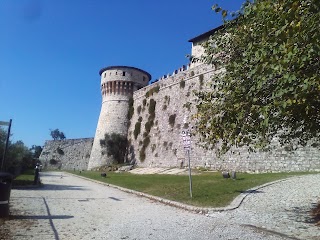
(162, 146)
(67, 154)
(159, 142)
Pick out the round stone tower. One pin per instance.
(117, 86)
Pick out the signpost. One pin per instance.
(2, 123)
(186, 139)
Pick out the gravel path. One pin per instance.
(283, 207)
(69, 207)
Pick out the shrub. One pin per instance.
(60, 151)
(144, 102)
(115, 145)
(53, 161)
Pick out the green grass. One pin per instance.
(24, 179)
(209, 189)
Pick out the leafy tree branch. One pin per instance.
(271, 86)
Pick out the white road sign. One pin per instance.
(186, 139)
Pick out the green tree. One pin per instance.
(270, 87)
(18, 155)
(36, 151)
(57, 135)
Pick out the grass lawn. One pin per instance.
(24, 179)
(209, 189)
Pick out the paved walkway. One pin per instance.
(69, 207)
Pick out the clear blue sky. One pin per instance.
(52, 50)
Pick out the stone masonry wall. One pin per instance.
(155, 133)
(69, 154)
(162, 146)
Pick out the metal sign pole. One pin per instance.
(190, 178)
(186, 139)
(7, 144)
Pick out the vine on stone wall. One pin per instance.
(164, 107)
(167, 100)
(152, 91)
(201, 78)
(147, 127)
(139, 109)
(187, 105)
(131, 108)
(137, 129)
(153, 147)
(152, 106)
(172, 120)
(182, 83)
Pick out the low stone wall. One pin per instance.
(70, 154)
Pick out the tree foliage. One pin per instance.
(270, 87)
(116, 146)
(57, 135)
(18, 155)
(36, 150)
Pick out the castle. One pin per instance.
(159, 113)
